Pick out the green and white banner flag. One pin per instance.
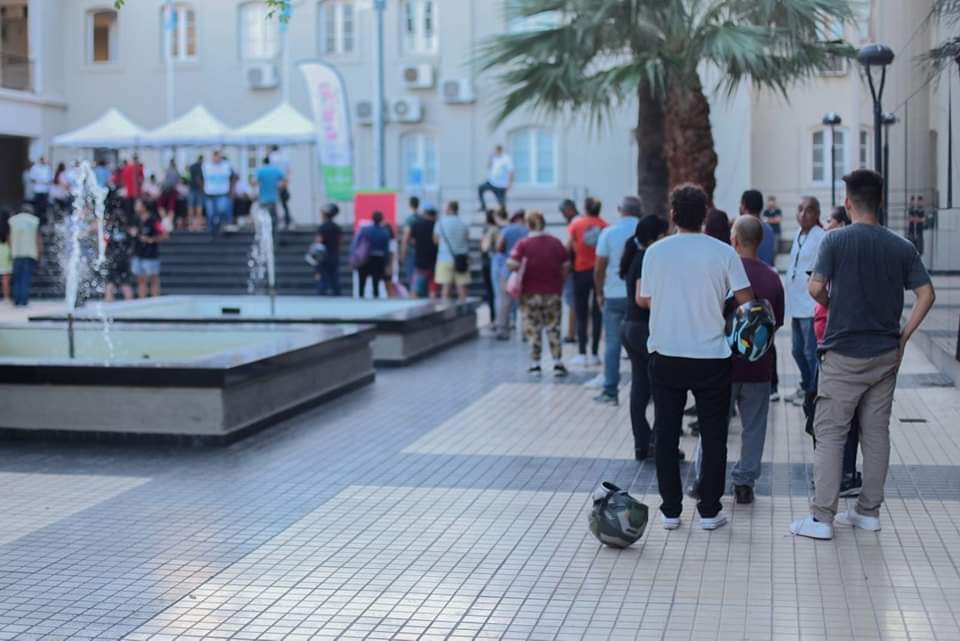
(328, 96)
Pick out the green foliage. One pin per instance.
(942, 57)
(600, 51)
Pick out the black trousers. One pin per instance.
(710, 381)
(374, 268)
(585, 303)
(488, 288)
(633, 335)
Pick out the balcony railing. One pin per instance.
(16, 72)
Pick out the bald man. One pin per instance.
(751, 381)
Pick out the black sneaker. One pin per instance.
(569, 340)
(694, 428)
(690, 411)
(851, 485)
(535, 370)
(744, 494)
(560, 370)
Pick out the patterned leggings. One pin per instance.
(543, 312)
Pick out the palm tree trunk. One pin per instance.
(689, 149)
(652, 176)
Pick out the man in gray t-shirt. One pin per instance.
(860, 276)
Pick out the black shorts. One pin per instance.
(118, 272)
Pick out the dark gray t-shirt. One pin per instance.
(868, 268)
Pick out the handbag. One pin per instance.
(360, 253)
(515, 281)
(461, 262)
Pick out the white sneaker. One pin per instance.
(812, 529)
(593, 361)
(595, 382)
(580, 360)
(855, 519)
(669, 522)
(714, 522)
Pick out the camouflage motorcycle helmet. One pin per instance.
(617, 519)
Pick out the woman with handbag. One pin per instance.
(540, 264)
(371, 254)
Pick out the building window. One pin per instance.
(102, 36)
(259, 32)
(834, 33)
(418, 161)
(420, 26)
(864, 148)
(179, 32)
(337, 27)
(821, 155)
(534, 157)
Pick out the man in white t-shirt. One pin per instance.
(217, 175)
(41, 177)
(500, 179)
(686, 279)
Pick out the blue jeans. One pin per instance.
(753, 401)
(329, 283)
(614, 309)
(805, 352)
(22, 279)
(219, 211)
(410, 269)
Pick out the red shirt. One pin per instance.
(545, 256)
(585, 232)
(132, 176)
(766, 285)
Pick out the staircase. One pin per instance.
(195, 263)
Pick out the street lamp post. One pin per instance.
(832, 120)
(378, 104)
(887, 119)
(877, 55)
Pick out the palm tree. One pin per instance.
(601, 53)
(947, 52)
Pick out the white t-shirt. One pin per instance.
(687, 278)
(216, 178)
(41, 176)
(500, 169)
(803, 258)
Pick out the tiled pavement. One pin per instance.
(449, 501)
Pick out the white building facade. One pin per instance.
(67, 61)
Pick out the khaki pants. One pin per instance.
(846, 385)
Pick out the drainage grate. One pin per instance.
(913, 420)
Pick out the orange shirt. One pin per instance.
(584, 232)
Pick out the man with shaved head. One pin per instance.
(751, 381)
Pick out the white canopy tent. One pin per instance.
(283, 125)
(112, 130)
(196, 128)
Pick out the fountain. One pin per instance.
(406, 330)
(262, 262)
(89, 199)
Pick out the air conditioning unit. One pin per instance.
(364, 112)
(458, 92)
(262, 75)
(406, 110)
(418, 77)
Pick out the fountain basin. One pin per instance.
(189, 384)
(406, 330)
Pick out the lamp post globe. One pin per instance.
(832, 119)
(870, 56)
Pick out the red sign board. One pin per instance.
(367, 202)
